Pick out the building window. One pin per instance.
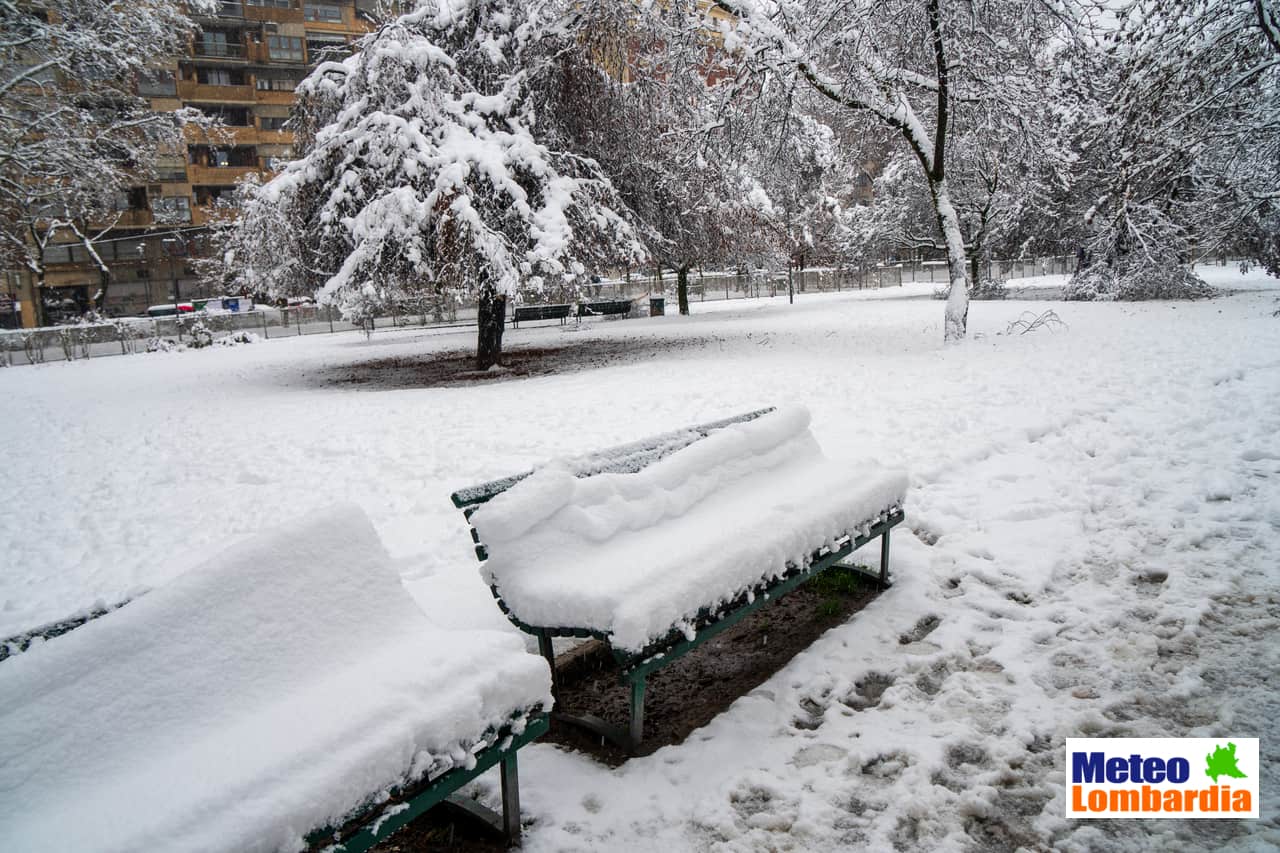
(220, 77)
(176, 208)
(322, 12)
(274, 122)
(288, 48)
(271, 4)
(219, 44)
(277, 84)
(230, 116)
(156, 82)
(134, 198)
(323, 49)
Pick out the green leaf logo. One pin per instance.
(1222, 762)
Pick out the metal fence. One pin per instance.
(130, 335)
(125, 336)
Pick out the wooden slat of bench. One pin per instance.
(377, 824)
(622, 459)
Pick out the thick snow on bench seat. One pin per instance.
(260, 696)
(635, 555)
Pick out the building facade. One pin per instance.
(242, 66)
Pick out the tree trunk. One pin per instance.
(491, 324)
(37, 298)
(682, 288)
(956, 315)
(100, 304)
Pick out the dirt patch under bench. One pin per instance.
(679, 698)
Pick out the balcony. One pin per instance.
(219, 50)
(190, 90)
(218, 175)
(228, 135)
(277, 97)
(272, 14)
(229, 9)
(133, 219)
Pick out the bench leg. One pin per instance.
(510, 798)
(884, 559)
(637, 713)
(547, 651)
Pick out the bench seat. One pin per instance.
(630, 557)
(286, 686)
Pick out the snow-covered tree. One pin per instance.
(435, 158)
(1177, 108)
(1005, 174)
(644, 92)
(905, 65)
(73, 132)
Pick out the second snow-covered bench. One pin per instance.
(287, 694)
(656, 546)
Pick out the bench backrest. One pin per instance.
(622, 459)
(634, 494)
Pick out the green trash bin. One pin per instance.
(657, 306)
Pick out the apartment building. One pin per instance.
(243, 67)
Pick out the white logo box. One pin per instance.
(1116, 795)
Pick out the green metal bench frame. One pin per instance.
(637, 666)
(377, 823)
(605, 308)
(531, 313)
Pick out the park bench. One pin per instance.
(605, 308)
(529, 313)
(287, 694)
(656, 546)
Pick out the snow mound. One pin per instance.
(264, 694)
(636, 555)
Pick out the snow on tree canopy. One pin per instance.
(635, 555)
(426, 165)
(267, 693)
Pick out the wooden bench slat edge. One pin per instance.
(605, 461)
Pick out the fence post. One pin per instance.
(265, 333)
(328, 310)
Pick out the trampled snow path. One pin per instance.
(1097, 517)
(1067, 584)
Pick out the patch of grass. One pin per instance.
(829, 607)
(839, 581)
(836, 585)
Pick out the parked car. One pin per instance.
(170, 310)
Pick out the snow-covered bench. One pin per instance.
(286, 694)
(656, 546)
(529, 313)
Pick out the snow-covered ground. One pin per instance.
(1096, 514)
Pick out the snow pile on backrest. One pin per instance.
(262, 695)
(599, 507)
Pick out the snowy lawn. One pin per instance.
(1096, 514)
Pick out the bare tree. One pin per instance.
(643, 93)
(904, 64)
(73, 132)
